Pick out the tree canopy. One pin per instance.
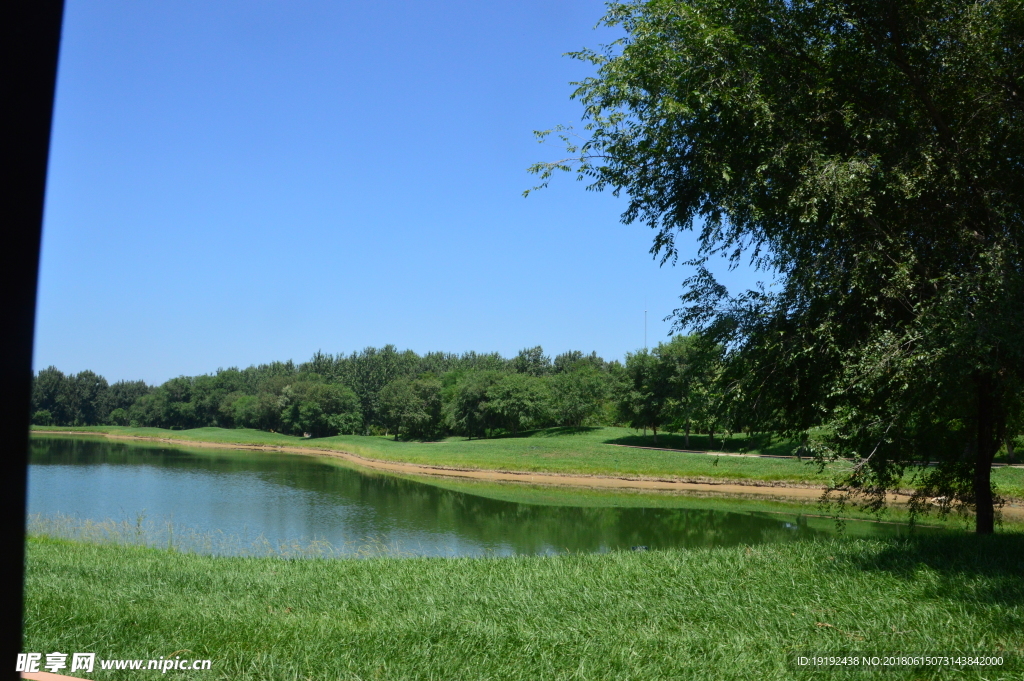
(374, 391)
(867, 157)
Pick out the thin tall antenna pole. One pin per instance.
(645, 323)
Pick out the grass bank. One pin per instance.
(736, 613)
(810, 512)
(591, 451)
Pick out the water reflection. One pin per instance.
(284, 497)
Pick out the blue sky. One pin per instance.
(239, 182)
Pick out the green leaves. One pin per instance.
(577, 394)
(866, 156)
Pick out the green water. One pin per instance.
(231, 501)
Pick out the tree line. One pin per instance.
(386, 391)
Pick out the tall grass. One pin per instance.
(732, 613)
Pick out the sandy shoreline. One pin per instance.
(759, 489)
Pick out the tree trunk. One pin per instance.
(655, 430)
(984, 453)
(1009, 450)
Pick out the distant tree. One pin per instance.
(151, 410)
(401, 407)
(166, 406)
(568, 361)
(320, 409)
(645, 394)
(412, 407)
(577, 395)
(118, 417)
(321, 365)
(693, 366)
(289, 401)
(468, 407)
(531, 361)
(267, 411)
(46, 390)
(122, 395)
(42, 418)
(182, 416)
(180, 411)
(429, 389)
(367, 372)
(473, 361)
(81, 397)
(437, 363)
(244, 412)
(517, 401)
(235, 410)
(232, 380)
(269, 377)
(204, 396)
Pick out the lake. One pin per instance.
(241, 502)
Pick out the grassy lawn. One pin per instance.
(590, 451)
(735, 613)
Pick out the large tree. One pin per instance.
(47, 387)
(468, 407)
(518, 401)
(412, 407)
(122, 395)
(692, 366)
(320, 409)
(867, 156)
(577, 393)
(645, 396)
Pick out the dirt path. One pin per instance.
(759, 489)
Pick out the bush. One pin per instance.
(118, 417)
(43, 417)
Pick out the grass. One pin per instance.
(590, 451)
(734, 613)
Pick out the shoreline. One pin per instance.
(730, 488)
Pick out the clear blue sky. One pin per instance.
(239, 182)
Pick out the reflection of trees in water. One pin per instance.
(410, 505)
(534, 528)
(70, 452)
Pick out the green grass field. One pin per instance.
(592, 451)
(735, 613)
